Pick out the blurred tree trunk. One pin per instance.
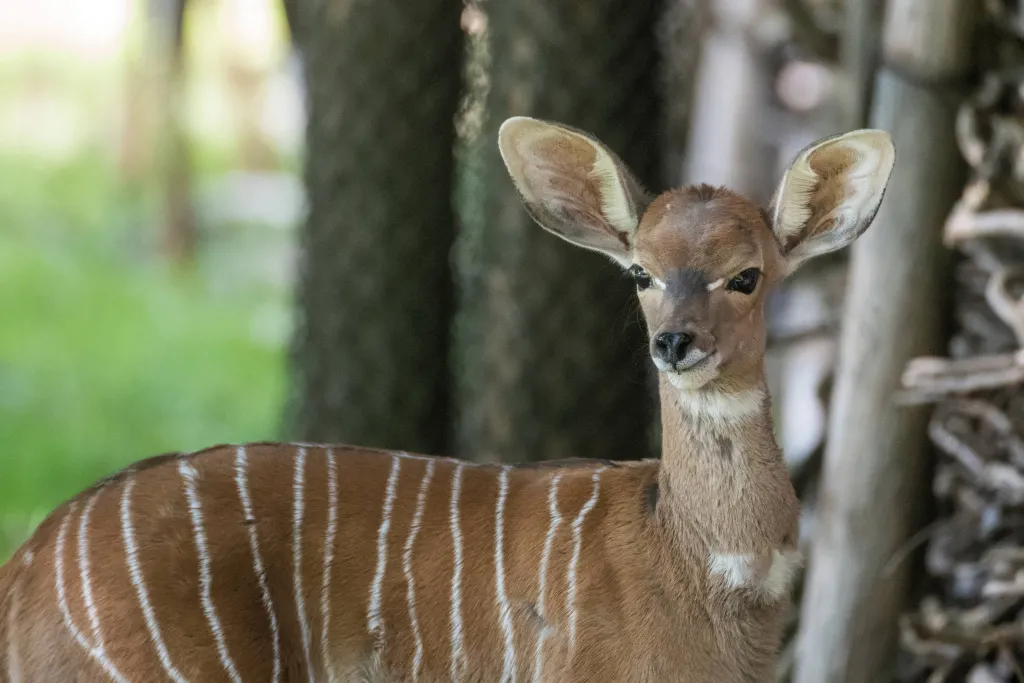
(291, 15)
(370, 348)
(165, 23)
(728, 143)
(549, 358)
(681, 32)
(134, 149)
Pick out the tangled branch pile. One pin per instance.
(969, 626)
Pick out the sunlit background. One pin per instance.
(111, 347)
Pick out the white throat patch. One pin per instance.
(720, 407)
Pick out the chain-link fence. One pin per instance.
(501, 342)
(375, 287)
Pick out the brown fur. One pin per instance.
(653, 602)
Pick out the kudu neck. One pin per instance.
(716, 444)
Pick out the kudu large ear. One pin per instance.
(573, 186)
(831, 193)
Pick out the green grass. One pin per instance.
(106, 355)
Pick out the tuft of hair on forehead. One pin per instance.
(706, 204)
(706, 193)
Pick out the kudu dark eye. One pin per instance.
(640, 277)
(745, 282)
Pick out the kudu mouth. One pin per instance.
(694, 360)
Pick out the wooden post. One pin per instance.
(727, 144)
(875, 481)
(165, 22)
(857, 56)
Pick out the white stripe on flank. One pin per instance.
(373, 619)
(96, 653)
(298, 487)
(555, 520)
(332, 527)
(131, 551)
(13, 654)
(189, 476)
(458, 663)
(577, 545)
(83, 571)
(508, 670)
(242, 480)
(410, 589)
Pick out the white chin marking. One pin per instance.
(687, 381)
(695, 377)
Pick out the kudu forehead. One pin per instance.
(701, 229)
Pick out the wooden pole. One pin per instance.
(732, 93)
(875, 480)
(166, 25)
(858, 55)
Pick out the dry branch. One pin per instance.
(970, 627)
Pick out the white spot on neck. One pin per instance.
(740, 570)
(736, 569)
(780, 575)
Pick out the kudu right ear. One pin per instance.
(831, 193)
(573, 186)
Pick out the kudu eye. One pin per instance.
(640, 277)
(745, 282)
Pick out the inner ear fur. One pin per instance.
(573, 186)
(830, 194)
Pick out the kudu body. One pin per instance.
(277, 562)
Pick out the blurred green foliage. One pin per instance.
(107, 353)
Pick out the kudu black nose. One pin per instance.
(671, 347)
